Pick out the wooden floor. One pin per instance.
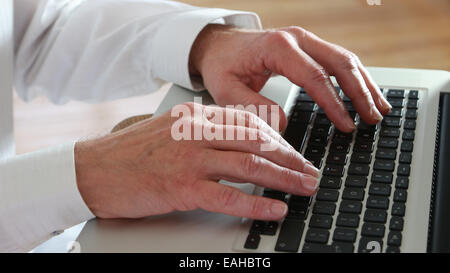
(399, 33)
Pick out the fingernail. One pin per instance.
(375, 114)
(310, 169)
(310, 182)
(278, 209)
(350, 124)
(385, 105)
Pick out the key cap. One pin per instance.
(337, 158)
(405, 157)
(322, 130)
(327, 195)
(365, 136)
(344, 235)
(402, 182)
(365, 147)
(330, 182)
(384, 165)
(407, 146)
(333, 170)
(358, 169)
(270, 229)
(298, 201)
(403, 169)
(396, 223)
(412, 104)
(315, 150)
(326, 208)
(321, 221)
(322, 119)
(353, 194)
(304, 97)
(398, 209)
(347, 220)
(413, 94)
(290, 236)
(356, 181)
(395, 112)
(380, 189)
(410, 124)
(396, 103)
(372, 230)
(386, 154)
(408, 135)
(306, 106)
(392, 249)
(339, 147)
(396, 93)
(411, 114)
(275, 195)
(362, 158)
(392, 122)
(388, 143)
(316, 161)
(252, 241)
(317, 139)
(394, 238)
(315, 235)
(382, 177)
(341, 137)
(337, 247)
(390, 132)
(369, 245)
(363, 126)
(301, 117)
(257, 227)
(375, 216)
(377, 202)
(348, 206)
(400, 195)
(298, 214)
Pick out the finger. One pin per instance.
(254, 141)
(247, 167)
(285, 57)
(346, 67)
(221, 198)
(238, 93)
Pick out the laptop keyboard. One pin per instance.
(360, 204)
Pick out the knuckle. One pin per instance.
(288, 178)
(256, 207)
(319, 75)
(279, 37)
(229, 196)
(349, 60)
(250, 165)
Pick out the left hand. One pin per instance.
(235, 64)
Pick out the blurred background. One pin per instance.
(398, 33)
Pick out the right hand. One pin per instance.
(141, 170)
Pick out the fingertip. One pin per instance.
(278, 210)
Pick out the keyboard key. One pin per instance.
(395, 112)
(411, 114)
(270, 229)
(257, 227)
(410, 124)
(297, 201)
(392, 249)
(362, 158)
(337, 158)
(384, 165)
(322, 119)
(408, 135)
(358, 169)
(373, 230)
(386, 154)
(413, 94)
(290, 236)
(392, 122)
(412, 104)
(396, 223)
(363, 126)
(330, 182)
(377, 202)
(396, 93)
(402, 182)
(339, 147)
(347, 220)
(400, 195)
(403, 169)
(407, 146)
(380, 189)
(365, 147)
(322, 130)
(315, 160)
(375, 216)
(317, 139)
(306, 106)
(396, 103)
(252, 241)
(390, 132)
(405, 157)
(315, 151)
(336, 247)
(341, 137)
(333, 170)
(321, 221)
(398, 209)
(348, 206)
(388, 143)
(277, 195)
(356, 181)
(394, 238)
(298, 214)
(315, 235)
(326, 208)
(353, 194)
(365, 136)
(301, 117)
(327, 195)
(295, 135)
(369, 245)
(382, 177)
(344, 235)
(304, 97)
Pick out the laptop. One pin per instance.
(383, 188)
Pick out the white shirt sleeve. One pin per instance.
(93, 51)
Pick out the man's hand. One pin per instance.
(142, 171)
(235, 64)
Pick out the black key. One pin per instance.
(298, 201)
(388, 143)
(306, 107)
(380, 189)
(252, 241)
(362, 158)
(392, 249)
(411, 114)
(304, 97)
(395, 112)
(398, 209)
(370, 245)
(295, 135)
(358, 169)
(347, 220)
(315, 160)
(382, 177)
(372, 230)
(270, 229)
(365, 136)
(412, 104)
(317, 139)
(390, 132)
(344, 235)
(392, 122)
(405, 157)
(396, 223)
(341, 137)
(356, 181)
(394, 238)
(413, 94)
(407, 146)
(377, 202)
(339, 147)
(316, 235)
(337, 158)
(301, 117)
(386, 154)
(333, 170)
(326, 208)
(322, 119)
(402, 182)
(364, 147)
(363, 126)
(348, 206)
(331, 182)
(315, 151)
(403, 169)
(298, 214)
(408, 135)
(353, 194)
(257, 227)
(410, 124)
(336, 247)
(384, 165)
(327, 195)
(321, 221)
(290, 236)
(396, 103)
(275, 195)
(322, 130)
(400, 195)
(375, 216)
(395, 93)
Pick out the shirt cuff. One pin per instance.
(174, 39)
(43, 197)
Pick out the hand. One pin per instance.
(235, 64)
(141, 170)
